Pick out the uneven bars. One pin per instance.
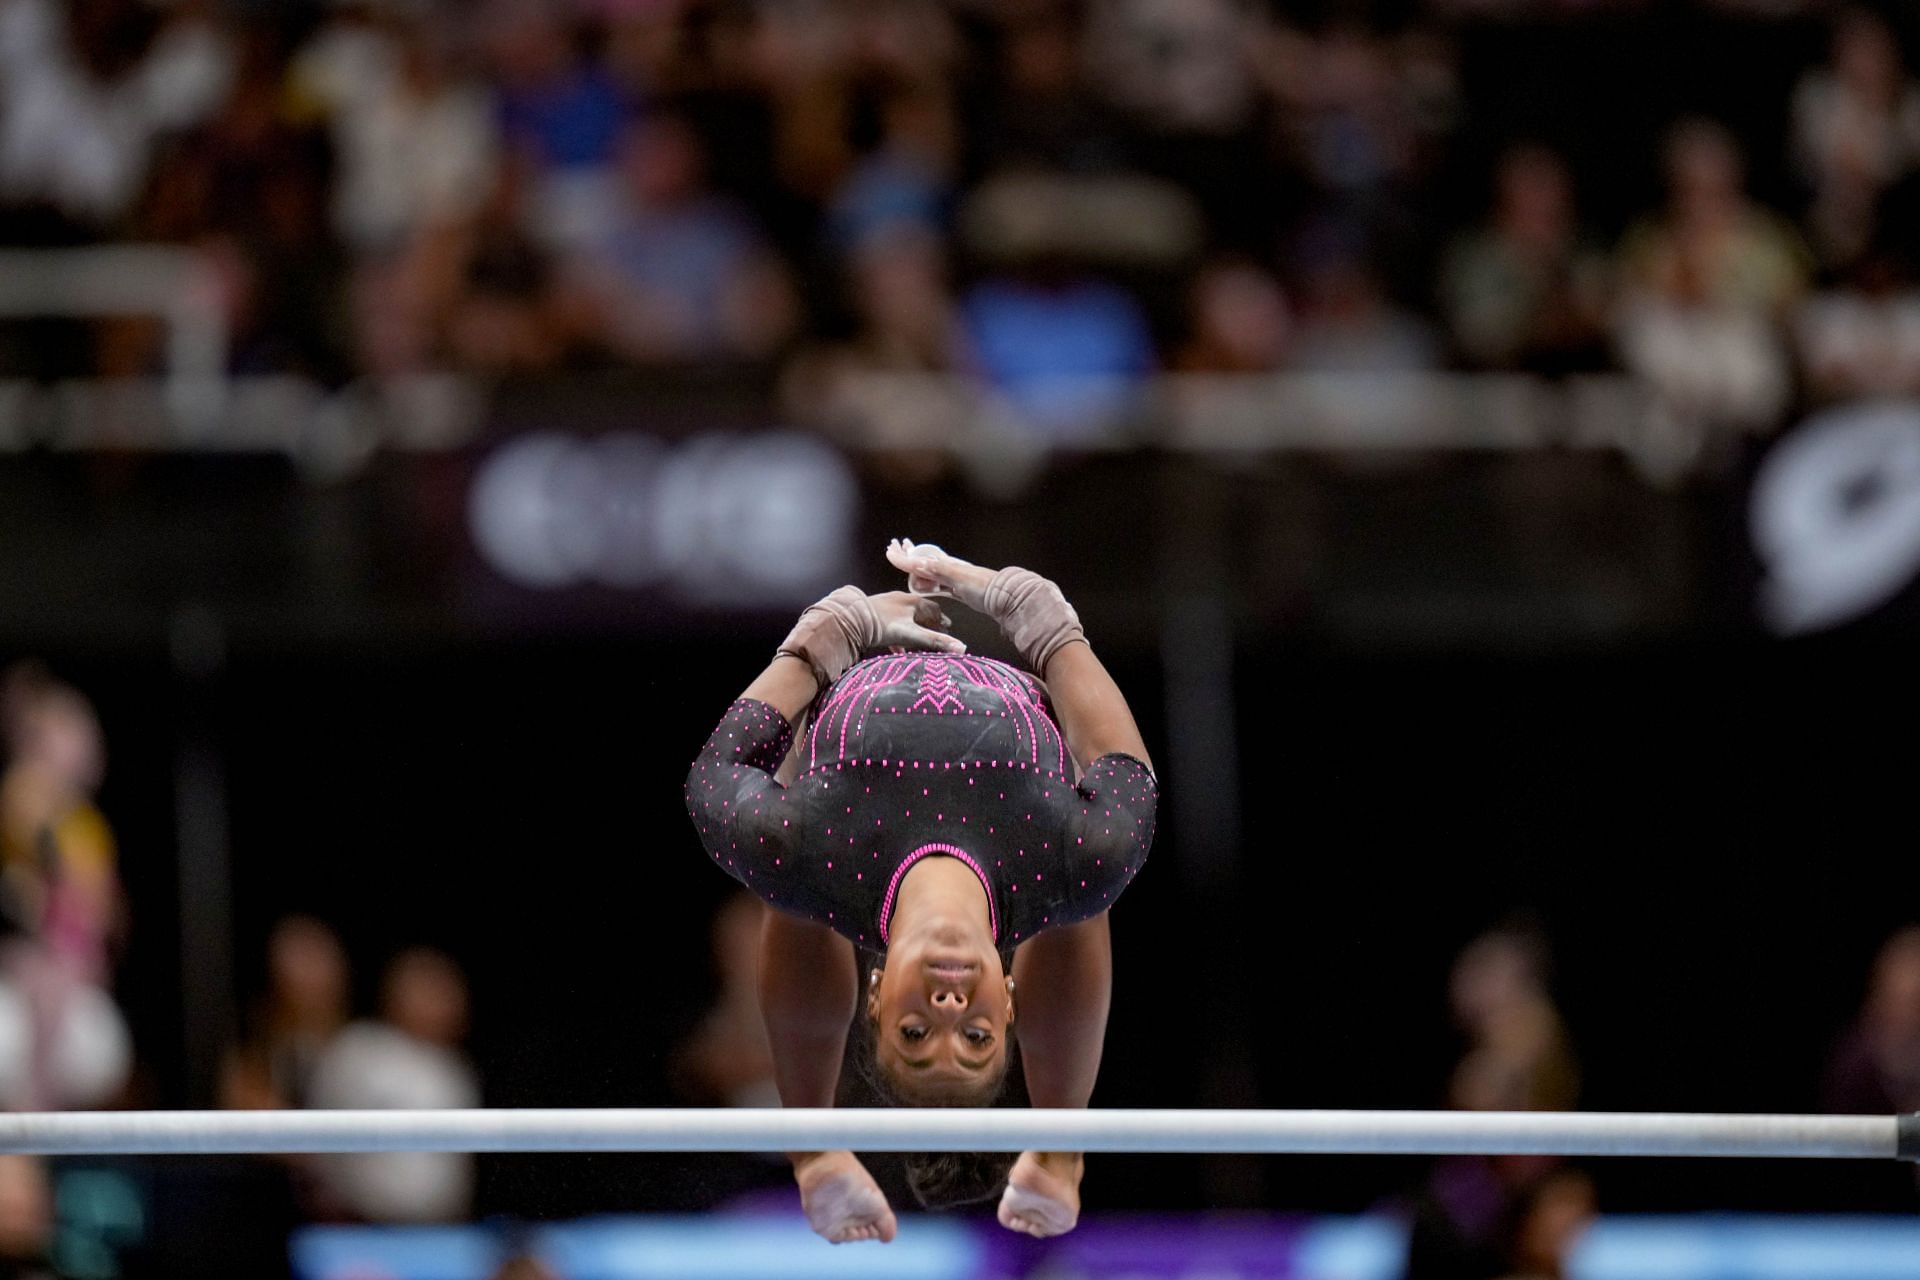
(965, 1129)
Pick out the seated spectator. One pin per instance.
(1855, 133)
(1361, 114)
(86, 91)
(903, 310)
(1040, 112)
(1875, 1070)
(904, 323)
(248, 188)
(1527, 291)
(507, 312)
(682, 275)
(906, 177)
(415, 145)
(1239, 320)
(564, 113)
(1863, 338)
(727, 1061)
(304, 1008)
(1706, 285)
(410, 1058)
(1348, 324)
(1065, 348)
(416, 150)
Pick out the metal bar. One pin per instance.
(905, 1129)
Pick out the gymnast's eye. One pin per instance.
(913, 1035)
(978, 1037)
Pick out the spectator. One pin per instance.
(907, 177)
(1479, 1217)
(304, 1008)
(415, 144)
(57, 854)
(1498, 990)
(1065, 348)
(903, 310)
(904, 323)
(26, 1219)
(1040, 113)
(1361, 116)
(508, 312)
(1862, 338)
(248, 188)
(727, 1062)
(683, 275)
(1239, 320)
(63, 1042)
(1706, 287)
(1875, 1070)
(86, 90)
(1347, 322)
(1527, 291)
(564, 113)
(1557, 1214)
(1855, 133)
(1183, 67)
(830, 70)
(410, 1058)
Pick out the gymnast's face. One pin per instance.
(942, 1011)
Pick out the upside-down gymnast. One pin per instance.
(944, 811)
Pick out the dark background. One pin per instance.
(1712, 827)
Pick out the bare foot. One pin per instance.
(1043, 1193)
(842, 1200)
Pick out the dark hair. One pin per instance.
(941, 1179)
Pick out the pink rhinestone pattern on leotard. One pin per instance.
(927, 851)
(911, 754)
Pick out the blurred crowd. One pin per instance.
(303, 1048)
(1054, 199)
(65, 1045)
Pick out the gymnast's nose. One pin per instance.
(949, 998)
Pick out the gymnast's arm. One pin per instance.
(1064, 976)
(1091, 710)
(1064, 983)
(808, 991)
(787, 685)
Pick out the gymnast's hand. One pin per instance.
(905, 620)
(1030, 609)
(837, 629)
(932, 572)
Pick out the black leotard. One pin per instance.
(911, 755)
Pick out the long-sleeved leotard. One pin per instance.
(911, 755)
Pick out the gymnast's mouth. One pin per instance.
(952, 971)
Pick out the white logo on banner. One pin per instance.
(733, 519)
(1836, 516)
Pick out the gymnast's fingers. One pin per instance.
(927, 613)
(938, 640)
(922, 563)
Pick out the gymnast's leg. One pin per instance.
(808, 990)
(1064, 978)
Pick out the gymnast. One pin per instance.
(966, 822)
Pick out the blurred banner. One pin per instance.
(1452, 512)
(1153, 1248)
